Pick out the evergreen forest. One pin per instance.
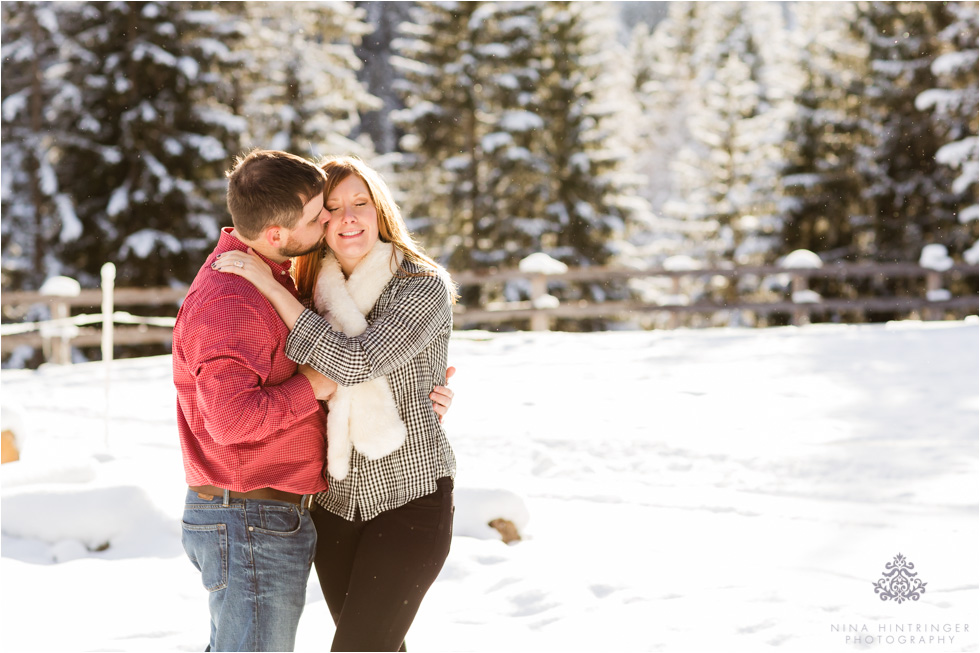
(599, 133)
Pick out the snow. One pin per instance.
(972, 255)
(477, 507)
(681, 262)
(545, 301)
(951, 63)
(673, 300)
(71, 226)
(935, 257)
(958, 152)
(801, 258)
(688, 490)
(494, 140)
(48, 178)
(118, 201)
(61, 287)
(14, 104)
(806, 297)
(143, 242)
(969, 213)
(541, 263)
(942, 100)
(520, 121)
(155, 53)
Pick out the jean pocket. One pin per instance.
(207, 547)
(278, 520)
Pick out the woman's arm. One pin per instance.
(419, 313)
(255, 270)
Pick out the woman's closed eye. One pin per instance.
(338, 208)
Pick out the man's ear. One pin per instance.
(275, 236)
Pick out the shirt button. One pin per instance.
(282, 272)
(251, 528)
(353, 470)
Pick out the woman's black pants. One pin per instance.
(374, 573)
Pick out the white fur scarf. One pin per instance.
(363, 416)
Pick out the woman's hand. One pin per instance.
(247, 265)
(252, 268)
(442, 396)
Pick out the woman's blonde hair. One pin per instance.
(391, 226)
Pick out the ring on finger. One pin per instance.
(239, 264)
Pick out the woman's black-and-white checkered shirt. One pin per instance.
(407, 340)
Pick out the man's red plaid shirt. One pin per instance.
(247, 420)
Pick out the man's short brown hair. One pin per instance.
(269, 188)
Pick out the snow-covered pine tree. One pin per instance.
(954, 104)
(509, 124)
(822, 188)
(662, 79)
(154, 129)
(662, 92)
(377, 74)
(592, 195)
(727, 171)
(37, 106)
(297, 79)
(514, 172)
(910, 196)
(435, 63)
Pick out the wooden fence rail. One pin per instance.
(799, 278)
(149, 331)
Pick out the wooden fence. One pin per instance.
(76, 331)
(800, 312)
(158, 330)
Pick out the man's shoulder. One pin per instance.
(217, 293)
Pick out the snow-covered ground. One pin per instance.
(709, 490)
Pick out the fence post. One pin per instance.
(935, 258)
(674, 320)
(800, 292)
(934, 286)
(539, 288)
(57, 337)
(538, 266)
(798, 287)
(108, 288)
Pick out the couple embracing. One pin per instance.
(363, 489)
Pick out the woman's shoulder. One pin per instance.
(415, 267)
(422, 277)
(423, 271)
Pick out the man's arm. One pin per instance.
(231, 357)
(442, 396)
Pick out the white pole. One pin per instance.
(108, 288)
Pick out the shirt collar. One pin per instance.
(228, 242)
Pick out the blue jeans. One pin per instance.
(254, 557)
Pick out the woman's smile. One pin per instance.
(353, 226)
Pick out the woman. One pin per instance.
(385, 524)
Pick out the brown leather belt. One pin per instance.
(209, 492)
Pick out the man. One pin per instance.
(251, 428)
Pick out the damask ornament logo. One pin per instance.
(899, 583)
